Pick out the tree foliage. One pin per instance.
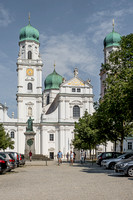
(113, 119)
(85, 133)
(5, 140)
(117, 103)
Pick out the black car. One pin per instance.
(10, 159)
(107, 155)
(3, 165)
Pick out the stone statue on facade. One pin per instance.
(30, 124)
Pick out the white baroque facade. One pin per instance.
(54, 110)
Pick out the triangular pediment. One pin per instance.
(74, 82)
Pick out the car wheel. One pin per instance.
(111, 165)
(130, 171)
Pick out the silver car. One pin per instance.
(110, 163)
(125, 166)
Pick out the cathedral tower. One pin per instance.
(111, 43)
(29, 71)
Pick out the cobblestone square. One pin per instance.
(38, 181)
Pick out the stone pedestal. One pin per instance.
(30, 142)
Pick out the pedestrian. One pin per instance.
(59, 156)
(82, 156)
(30, 156)
(71, 157)
(67, 156)
(74, 156)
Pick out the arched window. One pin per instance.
(29, 55)
(12, 134)
(76, 111)
(29, 111)
(29, 86)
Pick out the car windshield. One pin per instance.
(3, 155)
(122, 156)
(99, 155)
(11, 156)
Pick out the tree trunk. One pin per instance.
(115, 146)
(90, 153)
(121, 145)
(105, 146)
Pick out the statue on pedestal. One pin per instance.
(30, 124)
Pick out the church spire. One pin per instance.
(113, 24)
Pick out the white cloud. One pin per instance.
(100, 23)
(67, 51)
(5, 17)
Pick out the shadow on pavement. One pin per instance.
(88, 167)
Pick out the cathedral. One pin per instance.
(53, 111)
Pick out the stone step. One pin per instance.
(37, 157)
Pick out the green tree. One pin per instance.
(85, 133)
(5, 140)
(117, 102)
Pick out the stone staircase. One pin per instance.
(37, 157)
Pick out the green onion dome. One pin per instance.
(53, 81)
(29, 33)
(112, 39)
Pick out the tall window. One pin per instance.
(51, 137)
(130, 145)
(76, 111)
(29, 111)
(29, 86)
(12, 134)
(29, 55)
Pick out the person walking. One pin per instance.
(82, 156)
(59, 156)
(74, 156)
(30, 156)
(67, 156)
(71, 158)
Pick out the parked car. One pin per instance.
(10, 159)
(16, 157)
(125, 166)
(107, 155)
(110, 163)
(3, 164)
(21, 159)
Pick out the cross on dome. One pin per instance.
(29, 17)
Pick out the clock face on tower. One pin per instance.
(29, 72)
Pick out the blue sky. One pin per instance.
(71, 34)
